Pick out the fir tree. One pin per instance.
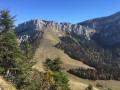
(10, 52)
(90, 87)
(15, 64)
(61, 81)
(6, 21)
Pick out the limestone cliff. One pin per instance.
(108, 28)
(27, 29)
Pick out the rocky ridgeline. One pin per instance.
(36, 24)
(28, 28)
(107, 27)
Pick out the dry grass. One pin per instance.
(114, 85)
(78, 83)
(6, 85)
(47, 50)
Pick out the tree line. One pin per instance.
(104, 60)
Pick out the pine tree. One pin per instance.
(10, 52)
(15, 64)
(90, 87)
(11, 56)
(54, 65)
(6, 21)
(61, 81)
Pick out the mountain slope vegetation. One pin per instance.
(105, 61)
(47, 49)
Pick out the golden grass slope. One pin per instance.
(47, 50)
(6, 85)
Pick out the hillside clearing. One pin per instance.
(47, 50)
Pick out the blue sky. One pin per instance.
(72, 11)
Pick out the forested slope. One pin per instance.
(105, 60)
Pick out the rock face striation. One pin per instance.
(107, 27)
(28, 28)
(39, 24)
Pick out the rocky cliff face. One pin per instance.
(108, 27)
(27, 29)
(39, 24)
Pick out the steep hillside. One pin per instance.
(105, 61)
(47, 50)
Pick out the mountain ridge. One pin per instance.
(108, 27)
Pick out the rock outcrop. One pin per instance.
(36, 24)
(107, 27)
(27, 29)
